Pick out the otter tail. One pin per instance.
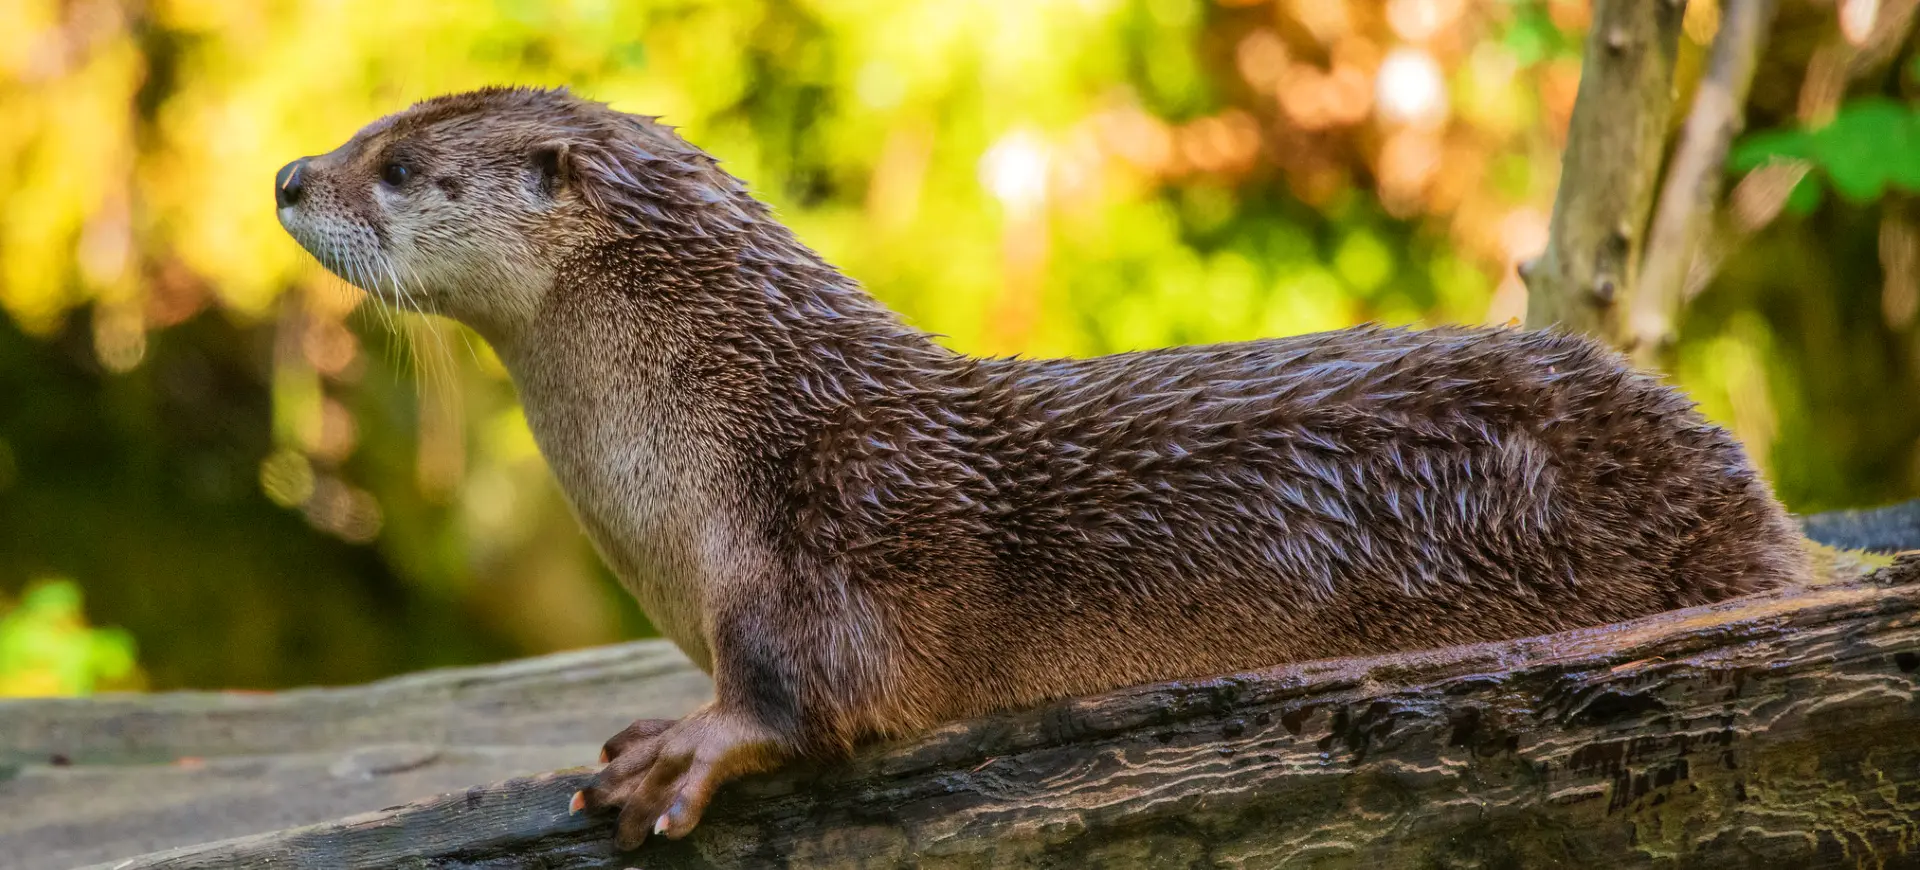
(1891, 529)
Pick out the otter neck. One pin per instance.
(670, 394)
(727, 351)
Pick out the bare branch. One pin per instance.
(1693, 182)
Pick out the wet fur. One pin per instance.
(861, 533)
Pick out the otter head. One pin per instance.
(465, 205)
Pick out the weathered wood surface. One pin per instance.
(1780, 730)
(496, 704)
(108, 778)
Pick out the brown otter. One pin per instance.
(860, 533)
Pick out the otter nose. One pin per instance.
(287, 184)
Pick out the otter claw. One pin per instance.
(578, 803)
(660, 824)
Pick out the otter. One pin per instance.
(860, 533)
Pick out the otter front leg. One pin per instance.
(662, 773)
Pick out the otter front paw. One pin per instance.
(661, 773)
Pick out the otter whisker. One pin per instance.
(434, 377)
(387, 318)
(404, 322)
(411, 319)
(422, 285)
(428, 375)
(400, 352)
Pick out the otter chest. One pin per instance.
(642, 500)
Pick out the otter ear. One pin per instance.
(553, 167)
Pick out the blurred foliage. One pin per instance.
(1869, 148)
(268, 483)
(47, 648)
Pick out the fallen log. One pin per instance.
(1778, 730)
(105, 778)
(1891, 528)
(550, 699)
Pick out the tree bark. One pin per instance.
(1693, 182)
(1611, 166)
(1777, 730)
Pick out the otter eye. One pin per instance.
(395, 174)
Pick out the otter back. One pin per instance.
(1208, 509)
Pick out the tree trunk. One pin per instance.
(1610, 169)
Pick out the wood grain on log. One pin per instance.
(1780, 730)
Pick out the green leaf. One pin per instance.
(1759, 149)
(1532, 37)
(1860, 147)
(1871, 144)
(1903, 161)
(1805, 196)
